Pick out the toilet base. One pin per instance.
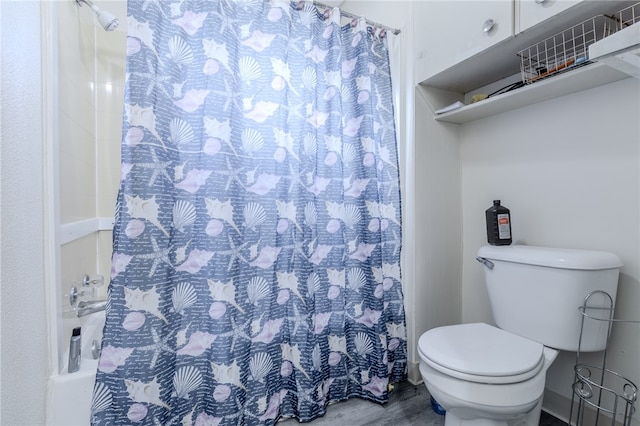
(532, 418)
(451, 420)
(479, 404)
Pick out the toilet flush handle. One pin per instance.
(485, 262)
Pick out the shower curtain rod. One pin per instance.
(394, 31)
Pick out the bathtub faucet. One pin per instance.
(85, 308)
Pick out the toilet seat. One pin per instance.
(481, 353)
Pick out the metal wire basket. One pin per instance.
(570, 48)
(627, 16)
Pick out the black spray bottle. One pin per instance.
(498, 224)
(74, 351)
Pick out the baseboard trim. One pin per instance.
(558, 406)
(413, 374)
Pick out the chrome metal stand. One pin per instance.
(605, 391)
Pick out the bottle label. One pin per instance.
(504, 231)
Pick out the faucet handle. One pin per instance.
(97, 281)
(75, 294)
(84, 290)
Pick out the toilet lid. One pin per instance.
(481, 353)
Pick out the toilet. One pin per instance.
(485, 375)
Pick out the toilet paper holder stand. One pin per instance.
(611, 395)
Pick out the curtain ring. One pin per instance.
(359, 24)
(332, 15)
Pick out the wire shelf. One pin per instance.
(570, 48)
(627, 16)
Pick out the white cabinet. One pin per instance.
(453, 62)
(448, 32)
(530, 13)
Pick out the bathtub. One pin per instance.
(69, 395)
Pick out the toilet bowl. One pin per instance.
(485, 375)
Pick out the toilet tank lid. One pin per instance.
(552, 257)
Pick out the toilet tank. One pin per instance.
(535, 292)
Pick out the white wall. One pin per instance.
(24, 359)
(62, 88)
(569, 170)
(438, 228)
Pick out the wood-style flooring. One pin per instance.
(408, 405)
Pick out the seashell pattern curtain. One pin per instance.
(256, 254)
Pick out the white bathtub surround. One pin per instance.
(69, 395)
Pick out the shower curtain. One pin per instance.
(256, 248)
